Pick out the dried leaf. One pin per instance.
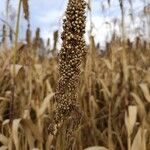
(32, 128)
(141, 107)
(105, 88)
(139, 142)
(147, 77)
(28, 133)
(130, 118)
(5, 122)
(39, 70)
(145, 91)
(15, 127)
(108, 64)
(44, 105)
(3, 148)
(18, 68)
(3, 140)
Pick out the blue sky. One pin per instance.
(48, 14)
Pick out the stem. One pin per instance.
(14, 62)
(16, 35)
(90, 16)
(129, 142)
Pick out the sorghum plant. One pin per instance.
(70, 59)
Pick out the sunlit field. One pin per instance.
(80, 96)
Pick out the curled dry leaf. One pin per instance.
(18, 68)
(5, 122)
(96, 148)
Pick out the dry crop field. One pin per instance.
(80, 97)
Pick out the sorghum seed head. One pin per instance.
(70, 58)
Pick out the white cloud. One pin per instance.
(47, 14)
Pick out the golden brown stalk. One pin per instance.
(11, 35)
(48, 42)
(55, 39)
(28, 36)
(36, 41)
(4, 35)
(121, 2)
(26, 9)
(70, 59)
(37, 38)
(138, 42)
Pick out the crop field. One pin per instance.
(78, 97)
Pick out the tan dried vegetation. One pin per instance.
(110, 91)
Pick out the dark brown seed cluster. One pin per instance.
(70, 59)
